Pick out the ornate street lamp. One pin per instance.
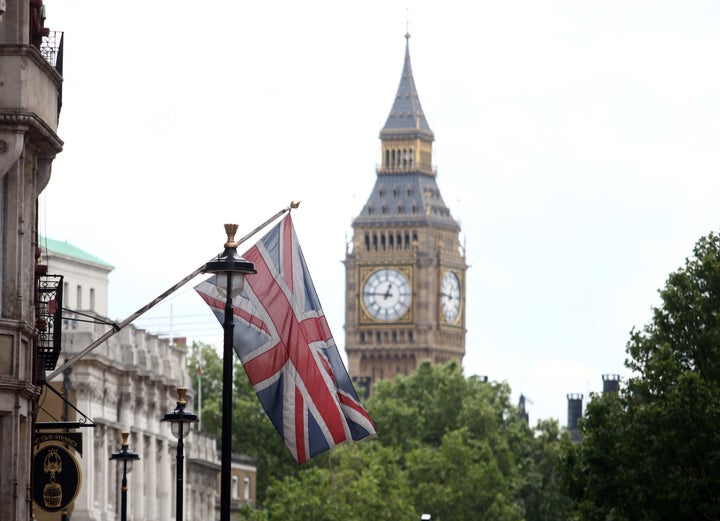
(178, 419)
(127, 457)
(230, 270)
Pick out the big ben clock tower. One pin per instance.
(405, 268)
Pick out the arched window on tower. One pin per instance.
(387, 158)
(393, 159)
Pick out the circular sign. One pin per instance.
(56, 478)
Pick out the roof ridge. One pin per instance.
(69, 250)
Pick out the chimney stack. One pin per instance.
(611, 382)
(574, 414)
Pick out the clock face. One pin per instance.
(450, 297)
(386, 295)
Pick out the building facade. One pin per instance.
(127, 384)
(30, 87)
(405, 267)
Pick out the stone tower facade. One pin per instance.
(30, 81)
(405, 267)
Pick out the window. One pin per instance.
(92, 299)
(234, 494)
(247, 489)
(78, 297)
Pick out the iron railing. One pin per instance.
(51, 49)
(49, 320)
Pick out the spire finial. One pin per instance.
(407, 24)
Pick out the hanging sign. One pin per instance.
(56, 477)
(70, 439)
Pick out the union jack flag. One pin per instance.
(283, 340)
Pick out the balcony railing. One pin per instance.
(49, 320)
(51, 49)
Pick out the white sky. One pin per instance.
(577, 143)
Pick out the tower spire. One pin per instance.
(406, 118)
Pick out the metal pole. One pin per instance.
(123, 493)
(179, 473)
(228, 329)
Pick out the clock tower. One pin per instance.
(405, 267)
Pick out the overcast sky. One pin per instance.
(576, 143)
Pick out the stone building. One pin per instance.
(30, 100)
(127, 384)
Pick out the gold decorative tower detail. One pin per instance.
(405, 268)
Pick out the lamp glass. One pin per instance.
(175, 429)
(237, 283)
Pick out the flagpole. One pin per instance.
(117, 327)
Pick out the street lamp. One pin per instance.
(178, 418)
(230, 270)
(126, 456)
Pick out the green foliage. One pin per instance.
(447, 445)
(362, 482)
(652, 451)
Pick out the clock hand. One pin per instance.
(387, 292)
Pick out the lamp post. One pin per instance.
(126, 456)
(178, 418)
(230, 270)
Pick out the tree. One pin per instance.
(447, 445)
(356, 482)
(652, 451)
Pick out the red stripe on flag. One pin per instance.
(294, 343)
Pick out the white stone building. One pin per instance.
(125, 385)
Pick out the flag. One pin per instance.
(283, 340)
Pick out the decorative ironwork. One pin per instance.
(49, 320)
(51, 49)
(82, 419)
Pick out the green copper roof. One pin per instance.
(68, 250)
